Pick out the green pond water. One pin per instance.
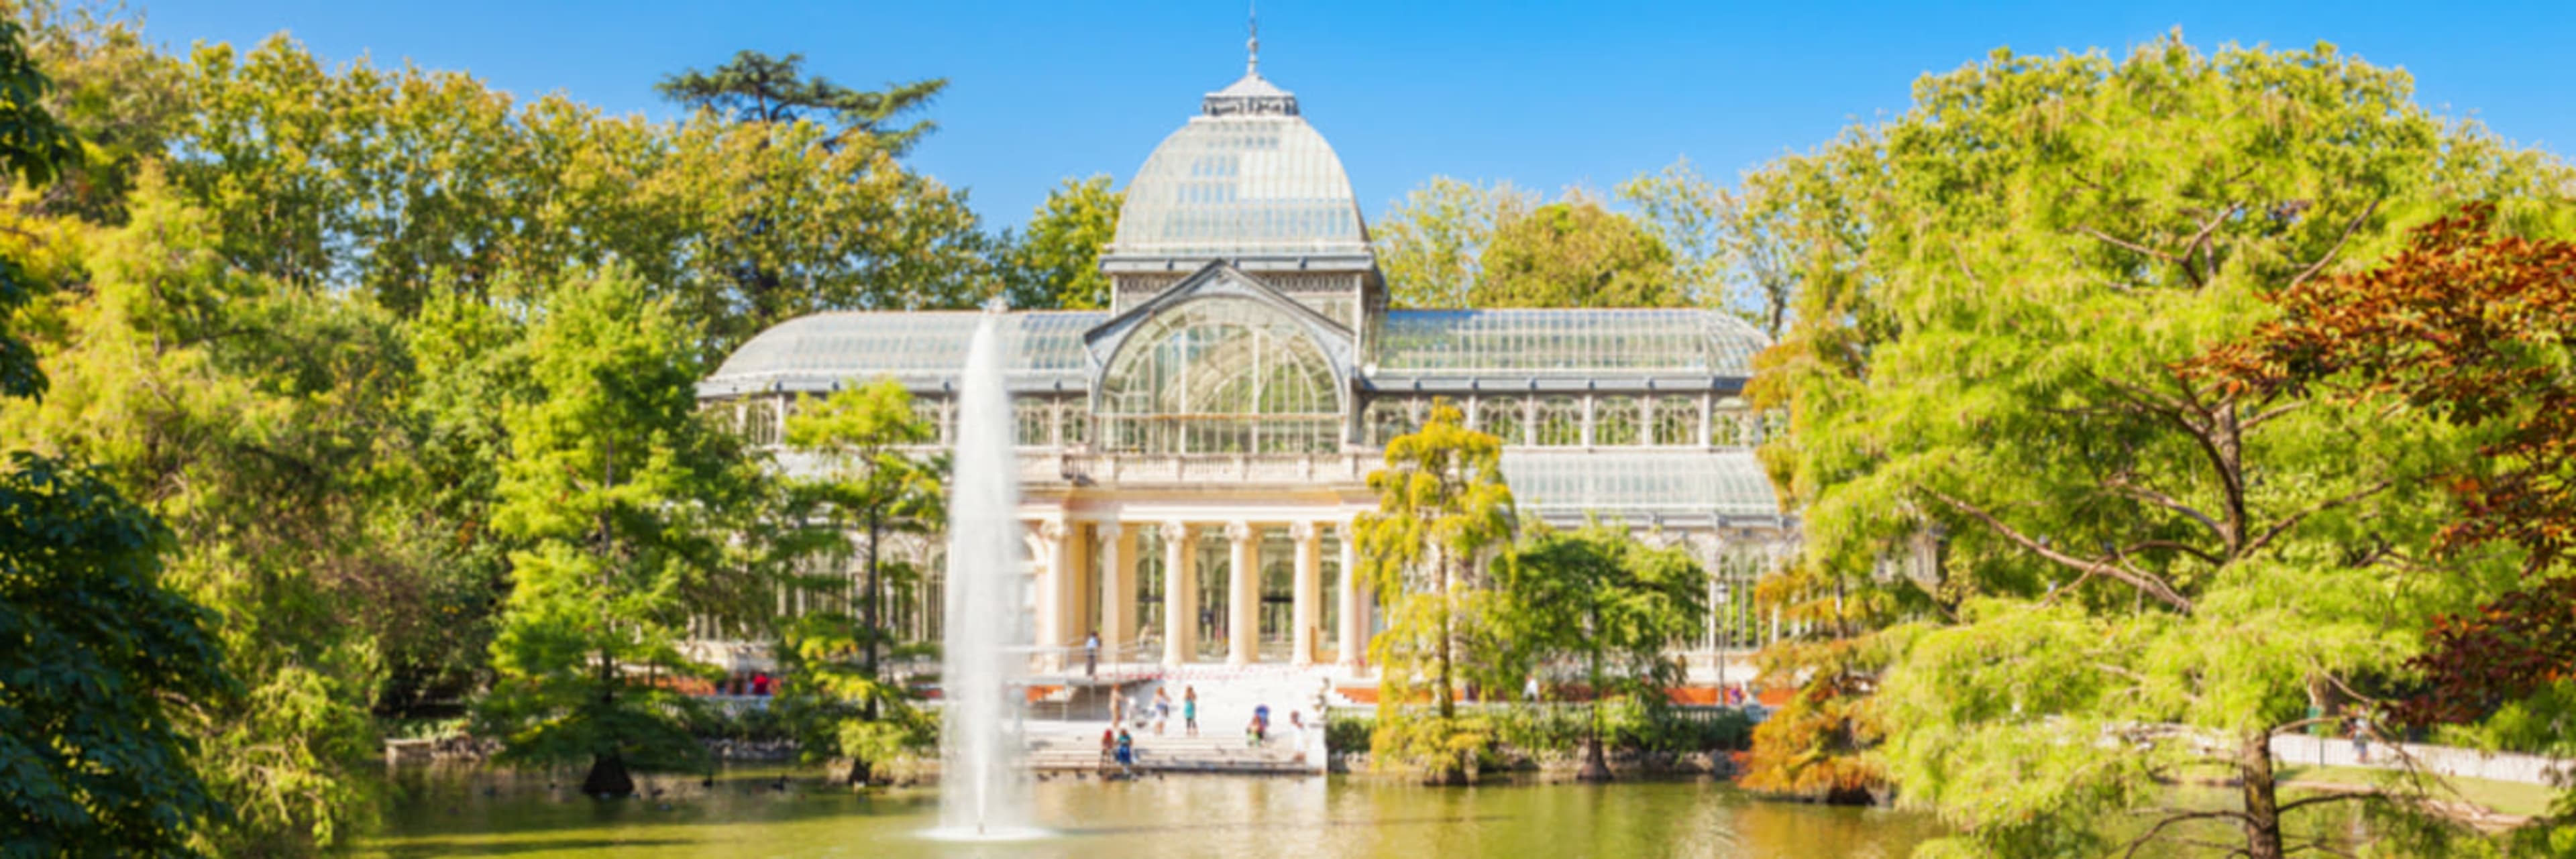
(469, 812)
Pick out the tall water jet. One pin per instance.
(982, 793)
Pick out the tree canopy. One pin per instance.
(757, 87)
(1575, 253)
(1056, 263)
(2001, 288)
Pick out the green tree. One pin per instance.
(244, 414)
(2144, 574)
(1443, 507)
(1575, 253)
(1726, 253)
(1429, 245)
(611, 485)
(1056, 264)
(876, 485)
(756, 87)
(1610, 602)
(99, 660)
(401, 183)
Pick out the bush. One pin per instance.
(1562, 728)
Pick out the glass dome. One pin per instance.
(1248, 177)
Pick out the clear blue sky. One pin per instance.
(1543, 94)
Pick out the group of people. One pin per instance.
(1130, 710)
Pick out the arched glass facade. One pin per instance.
(1220, 375)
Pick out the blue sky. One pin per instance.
(1544, 94)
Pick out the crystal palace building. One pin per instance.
(1191, 458)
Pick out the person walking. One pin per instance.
(1162, 709)
(1190, 711)
(1091, 654)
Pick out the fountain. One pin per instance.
(982, 793)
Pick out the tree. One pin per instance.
(1442, 508)
(611, 484)
(1057, 263)
(1575, 253)
(99, 659)
(2145, 573)
(2474, 328)
(1818, 745)
(1429, 245)
(243, 413)
(415, 182)
(755, 87)
(1727, 254)
(1609, 601)
(876, 486)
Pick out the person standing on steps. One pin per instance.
(1162, 709)
(1126, 753)
(1091, 655)
(1190, 711)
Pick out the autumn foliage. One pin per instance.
(2478, 329)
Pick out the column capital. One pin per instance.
(1304, 529)
(1109, 530)
(1052, 529)
(1175, 528)
(1238, 531)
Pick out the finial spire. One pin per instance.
(1252, 46)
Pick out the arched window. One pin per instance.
(1615, 421)
(1560, 422)
(1676, 421)
(1500, 417)
(1220, 375)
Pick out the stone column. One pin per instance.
(1055, 589)
(1180, 594)
(1117, 587)
(1243, 602)
(1116, 575)
(1354, 632)
(1310, 589)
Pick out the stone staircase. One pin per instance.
(1227, 698)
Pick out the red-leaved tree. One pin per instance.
(2478, 329)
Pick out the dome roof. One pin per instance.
(1247, 177)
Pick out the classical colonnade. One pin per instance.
(1086, 577)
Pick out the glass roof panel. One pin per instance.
(1565, 342)
(1631, 485)
(923, 348)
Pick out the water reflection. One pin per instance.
(480, 813)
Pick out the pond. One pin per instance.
(469, 812)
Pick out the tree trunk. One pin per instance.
(868, 611)
(608, 777)
(1596, 767)
(859, 772)
(2262, 804)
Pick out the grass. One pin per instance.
(2504, 797)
